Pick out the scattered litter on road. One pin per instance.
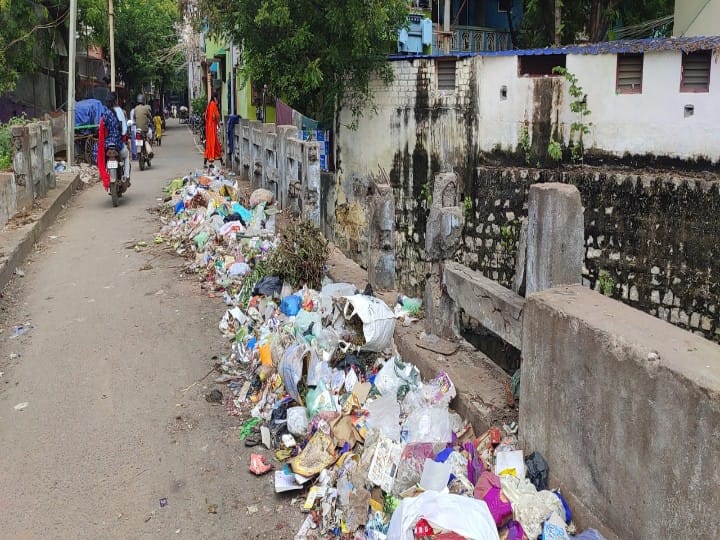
(21, 330)
(214, 396)
(163, 503)
(19, 272)
(258, 466)
(252, 509)
(21, 406)
(313, 374)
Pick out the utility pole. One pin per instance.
(111, 14)
(70, 124)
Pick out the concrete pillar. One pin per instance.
(268, 155)
(255, 171)
(284, 180)
(381, 252)
(443, 236)
(21, 167)
(555, 237)
(37, 163)
(311, 182)
(48, 154)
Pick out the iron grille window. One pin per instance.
(629, 74)
(445, 73)
(695, 71)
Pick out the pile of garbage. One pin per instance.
(314, 374)
(88, 173)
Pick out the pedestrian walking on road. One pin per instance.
(213, 150)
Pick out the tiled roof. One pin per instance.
(686, 44)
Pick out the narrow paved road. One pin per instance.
(110, 427)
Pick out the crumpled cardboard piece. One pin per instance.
(344, 431)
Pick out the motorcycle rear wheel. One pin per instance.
(142, 162)
(114, 193)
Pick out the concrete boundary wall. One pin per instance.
(33, 170)
(626, 410)
(272, 157)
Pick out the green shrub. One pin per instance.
(6, 149)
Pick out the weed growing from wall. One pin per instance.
(524, 143)
(606, 284)
(467, 205)
(6, 146)
(580, 107)
(555, 151)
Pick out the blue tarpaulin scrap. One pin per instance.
(88, 112)
(685, 44)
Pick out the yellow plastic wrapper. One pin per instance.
(265, 354)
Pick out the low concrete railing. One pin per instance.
(626, 410)
(33, 169)
(272, 157)
(550, 254)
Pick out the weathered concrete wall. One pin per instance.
(626, 410)
(419, 130)
(33, 169)
(8, 196)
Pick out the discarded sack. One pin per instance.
(261, 196)
(377, 318)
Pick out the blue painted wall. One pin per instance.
(478, 13)
(497, 19)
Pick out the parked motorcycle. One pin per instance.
(118, 184)
(144, 150)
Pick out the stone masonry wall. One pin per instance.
(651, 240)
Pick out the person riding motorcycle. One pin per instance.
(114, 128)
(143, 115)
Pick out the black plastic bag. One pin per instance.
(268, 286)
(537, 470)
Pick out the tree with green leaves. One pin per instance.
(146, 42)
(29, 28)
(592, 18)
(316, 55)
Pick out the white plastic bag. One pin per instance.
(463, 515)
(336, 290)
(297, 421)
(384, 416)
(428, 424)
(394, 374)
(377, 318)
(291, 369)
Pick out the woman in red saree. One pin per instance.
(213, 150)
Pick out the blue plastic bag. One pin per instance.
(290, 305)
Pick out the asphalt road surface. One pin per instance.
(116, 419)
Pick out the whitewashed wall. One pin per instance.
(651, 123)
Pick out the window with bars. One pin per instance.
(695, 71)
(629, 74)
(445, 69)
